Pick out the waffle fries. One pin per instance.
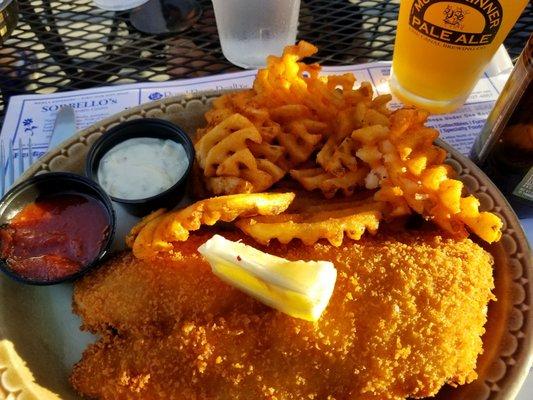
(417, 176)
(297, 114)
(156, 232)
(328, 222)
(329, 137)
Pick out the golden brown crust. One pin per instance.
(406, 316)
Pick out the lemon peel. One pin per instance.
(16, 378)
(301, 289)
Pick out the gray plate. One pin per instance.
(39, 320)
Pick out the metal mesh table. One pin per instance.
(71, 44)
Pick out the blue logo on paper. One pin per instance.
(155, 96)
(29, 126)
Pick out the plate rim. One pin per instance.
(525, 362)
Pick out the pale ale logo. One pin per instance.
(457, 22)
(454, 17)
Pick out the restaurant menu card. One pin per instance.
(32, 117)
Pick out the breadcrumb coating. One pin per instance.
(129, 294)
(406, 317)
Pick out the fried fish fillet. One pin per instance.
(406, 316)
(128, 294)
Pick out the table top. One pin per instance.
(70, 44)
(62, 45)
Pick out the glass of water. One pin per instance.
(250, 30)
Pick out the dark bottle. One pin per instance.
(8, 18)
(504, 149)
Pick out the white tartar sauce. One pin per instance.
(142, 167)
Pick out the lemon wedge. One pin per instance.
(16, 380)
(301, 289)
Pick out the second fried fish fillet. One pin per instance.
(406, 316)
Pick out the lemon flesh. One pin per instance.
(301, 289)
(16, 380)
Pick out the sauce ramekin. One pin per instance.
(57, 183)
(143, 128)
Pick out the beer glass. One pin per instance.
(251, 30)
(443, 47)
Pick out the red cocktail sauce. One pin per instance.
(54, 237)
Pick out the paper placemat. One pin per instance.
(32, 117)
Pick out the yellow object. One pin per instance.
(158, 231)
(430, 191)
(16, 380)
(331, 138)
(301, 289)
(442, 48)
(292, 116)
(223, 152)
(330, 222)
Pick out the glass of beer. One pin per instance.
(443, 47)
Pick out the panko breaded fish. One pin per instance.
(406, 316)
(129, 294)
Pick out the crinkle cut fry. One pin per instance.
(329, 184)
(330, 223)
(416, 172)
(327, 135)
(158, 231)
(134, 232)
(303, 111)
